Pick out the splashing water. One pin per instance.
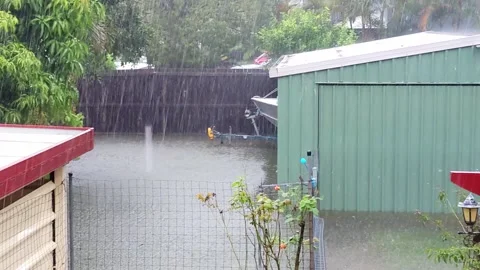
(148, 148)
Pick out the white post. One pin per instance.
(61, 251)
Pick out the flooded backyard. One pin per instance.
(129, 216)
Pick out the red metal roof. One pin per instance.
(466, 180)
(30, 152)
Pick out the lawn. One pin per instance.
(381, 241)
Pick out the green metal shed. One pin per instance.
(389, 119)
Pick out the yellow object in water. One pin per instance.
(210, 133)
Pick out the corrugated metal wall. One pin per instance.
(298, 124)
(416, 106)
(391, 148)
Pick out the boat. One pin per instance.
(267, 107)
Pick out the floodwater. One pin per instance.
(122, 157)
(131, 213)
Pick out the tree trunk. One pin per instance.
(424, 18)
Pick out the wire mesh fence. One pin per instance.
(159, 224)
(313, 253)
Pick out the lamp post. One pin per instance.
(469, 209)
(470, 181)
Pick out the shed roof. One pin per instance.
(29, 152)
(359, 53)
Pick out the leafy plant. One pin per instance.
(44, 46)
(267, 219)
(304, 30)
(128, 31)
(203, 33)
(462, 251)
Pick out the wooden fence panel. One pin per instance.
(174, 101)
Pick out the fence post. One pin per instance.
(70, 220)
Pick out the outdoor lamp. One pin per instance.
(469, 210)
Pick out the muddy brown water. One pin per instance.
(126, 217)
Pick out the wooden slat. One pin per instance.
(17, 239)
(13, 209)
(26, 231)
(38, 256)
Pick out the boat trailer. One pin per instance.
(213, 133)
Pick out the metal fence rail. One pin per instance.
(157, 224)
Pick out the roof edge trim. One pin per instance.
(275, 72)
(26, 171)
(46, 127)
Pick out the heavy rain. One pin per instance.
(366, 105)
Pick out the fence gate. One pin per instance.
(159, 224)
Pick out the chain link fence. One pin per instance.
(160, 224)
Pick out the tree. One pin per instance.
(304, 30)
(408, 16)
(43, 48)
(128, 31)
(200, 33)
(254, 15)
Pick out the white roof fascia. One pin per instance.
(275, 72)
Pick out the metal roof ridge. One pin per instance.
(464, 41)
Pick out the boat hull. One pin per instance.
(267, 108)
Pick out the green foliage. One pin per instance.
(461, 251)
(406, 15)
(98, 64)
(190, 33)
(43, 48)
(466, 257)
(304, 30)
(7, 22)
(267, 217)
(129, 33)
(201, 33)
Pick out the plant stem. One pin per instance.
(261, 243)
(228, 235)
(246, 242)
(277, 261)
(289, 261)
(256, 224)
(300, 242)
(456, 216)
(279, 229)
(267, 258)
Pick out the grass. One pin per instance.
(407, 249)
(381, 241)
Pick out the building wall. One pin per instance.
(299, 129)
(33, 229)
(391, 148)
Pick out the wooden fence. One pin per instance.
(174, 101)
